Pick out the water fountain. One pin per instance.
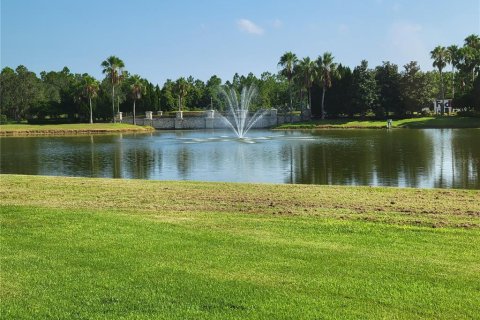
(238, 119)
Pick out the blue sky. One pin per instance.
(168, 39)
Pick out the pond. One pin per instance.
(430, 158)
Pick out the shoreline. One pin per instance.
(20, 130)
(447, 122)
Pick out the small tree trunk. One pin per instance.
(310, 97)
(290, 94)
(453, 82)
(134, 121)
(443, 93)
(323, 101)
(91, 116)
(291, 99)
(113, 102)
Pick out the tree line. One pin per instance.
(328, 88)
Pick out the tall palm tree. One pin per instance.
(90, 89)
(112, 67)
(473, 41)
(288, 62)
(440, 56)
(137, 89)
(326, 70)
(454, 57)
(181, 89)
(471, 52)
(307, 72)
(124, 75)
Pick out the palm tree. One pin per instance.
(90, 89)
(440, 56)
(288, 62)
(122, 91)
(112, 67)
(471, 51)
(473, 41)
(454, 57)
(307, 72)
(137, 89)
(181, 89)
(326, 70)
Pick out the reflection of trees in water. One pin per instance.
(362, 158)
(425, 158)
(20, 155)
(465, 152)
(139, 162)
(324, 164)
(183, 161)
(93, 160)
(331, 161)
(97, 156)
(117, 157)
(122, 158)
(403, 158)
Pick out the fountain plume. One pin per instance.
(240, 121)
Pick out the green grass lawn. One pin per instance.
(78, 248)
(424, 122)
(76, 128)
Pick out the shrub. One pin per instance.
(51, 121)
(469, 113)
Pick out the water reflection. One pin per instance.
(391, 158)
(406, 158)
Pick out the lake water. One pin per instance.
(430, 158)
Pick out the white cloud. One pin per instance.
(249, 27)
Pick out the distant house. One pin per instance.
(437, 106)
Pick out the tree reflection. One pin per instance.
(401, 157)
(20, 155)
(363, 157)
(466, 158)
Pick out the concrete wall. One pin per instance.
(270, 119)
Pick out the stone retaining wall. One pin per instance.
(270, 119)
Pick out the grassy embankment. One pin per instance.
(419, 123)
(67, 129)
(133, 249)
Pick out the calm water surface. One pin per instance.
(431, 158)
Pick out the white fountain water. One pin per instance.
(238, 119)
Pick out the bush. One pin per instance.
(51, 121)
(3, 119)
(469, 113)
(427, 113)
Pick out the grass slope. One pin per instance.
(65, 129)
(131, 249)
(425, 122)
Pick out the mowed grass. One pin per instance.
(65, 129)
(77, 248)
(424, 122)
